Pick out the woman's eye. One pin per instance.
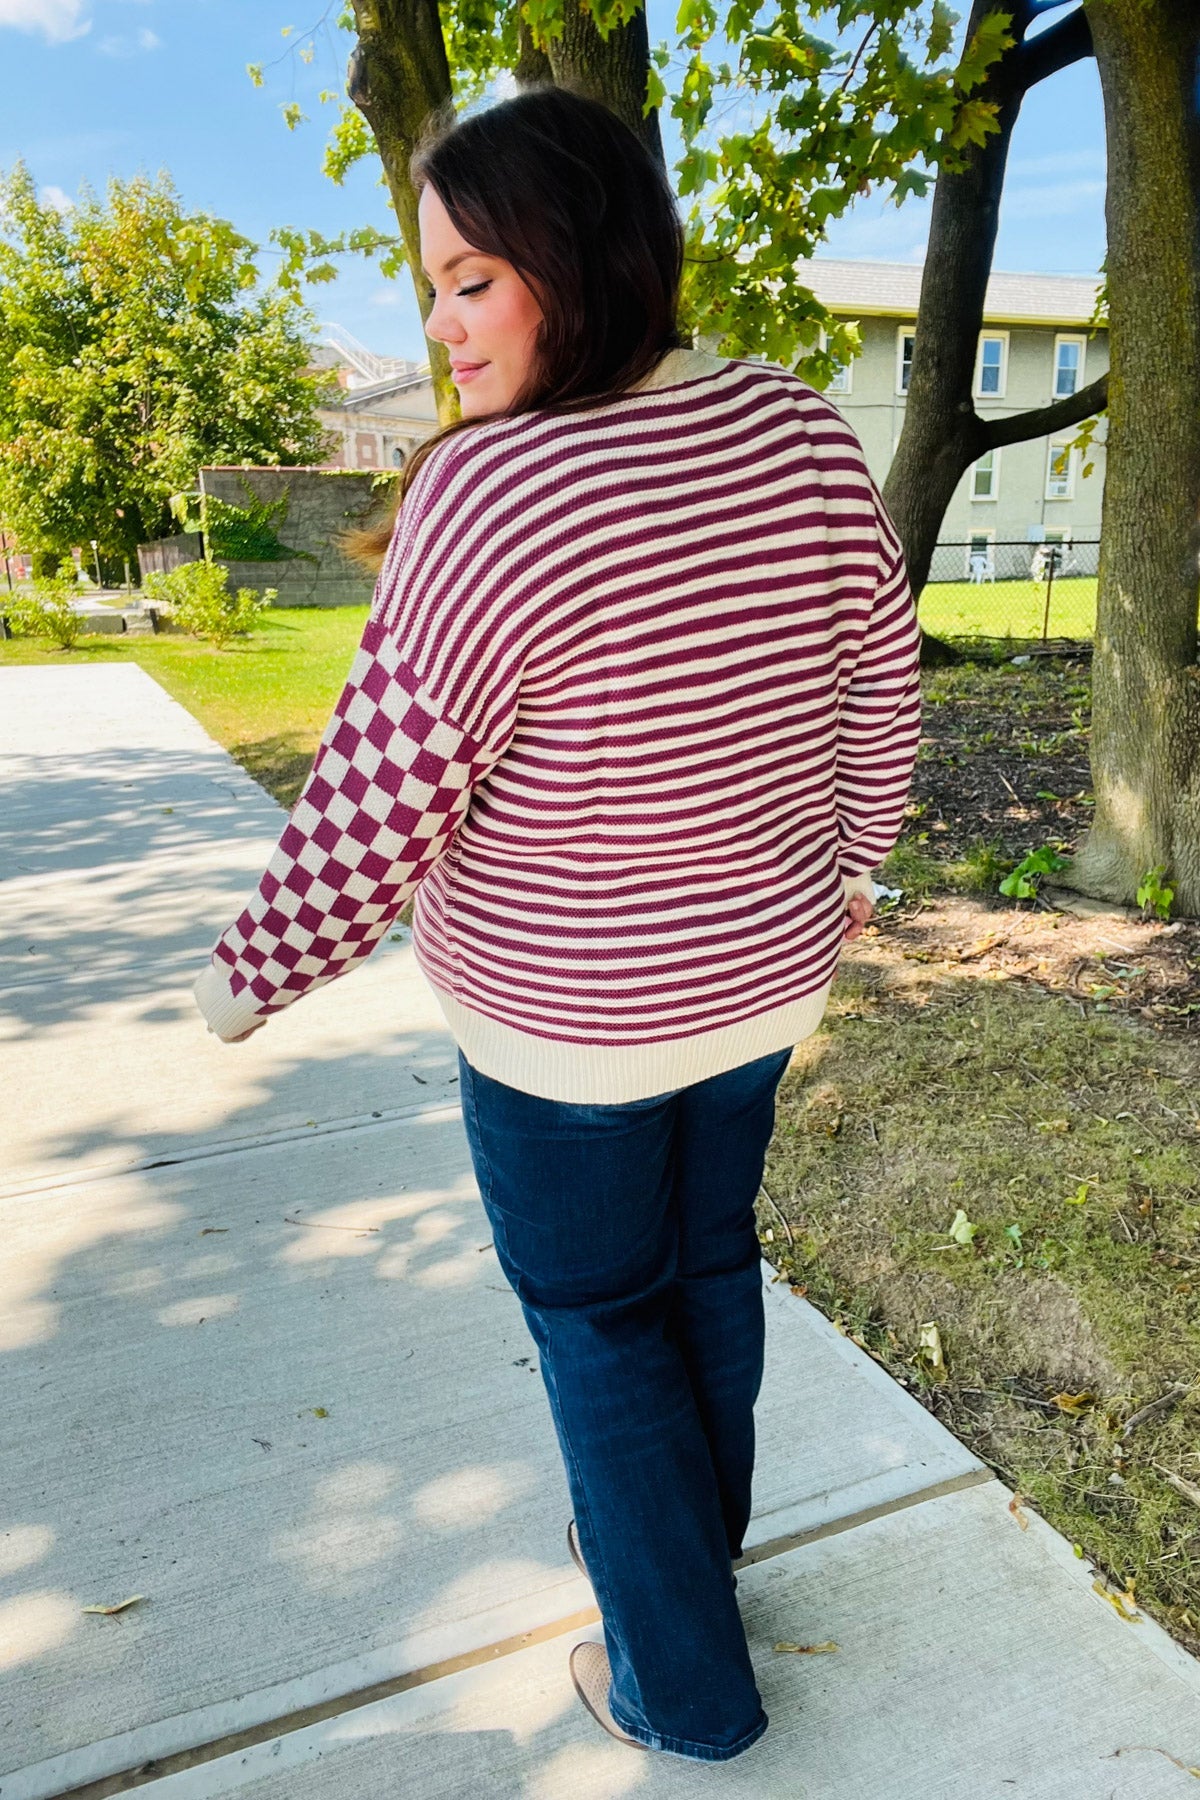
(463, 293)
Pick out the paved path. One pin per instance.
(262, 1370)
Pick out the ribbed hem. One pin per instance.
(229, 1014)
(608, 1074)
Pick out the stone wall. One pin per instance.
(321, 504)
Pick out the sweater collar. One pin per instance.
(680, 365)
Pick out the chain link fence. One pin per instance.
(1013, 590)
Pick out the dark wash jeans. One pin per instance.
(627, 1232)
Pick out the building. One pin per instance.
(1036, 346)
(387, 404)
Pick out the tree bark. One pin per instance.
(1145, 743)
(614, 72)
(942, 434)
(398, 75)
(533, 65)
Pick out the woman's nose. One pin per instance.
(437, 325)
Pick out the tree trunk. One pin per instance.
(1145, 744)
(614, 72)
(398, 76)
(533, 65)
(942, 434)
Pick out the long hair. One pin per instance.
(555, 183)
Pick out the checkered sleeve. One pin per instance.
(389, 788)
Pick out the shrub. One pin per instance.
(46, 612)
(197, 595)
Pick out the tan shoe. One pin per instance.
(593, 1678)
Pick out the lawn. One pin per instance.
(995, 1132)
(1016, 609)
(266, 699)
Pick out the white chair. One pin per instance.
(981, 567)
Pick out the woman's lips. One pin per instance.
(467, 371)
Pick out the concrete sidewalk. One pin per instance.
(262, 1370)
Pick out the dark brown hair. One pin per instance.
(556, 184)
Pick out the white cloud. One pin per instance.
(1065, 199)
(57, 20)
(121, 45)
(1060, 162)
(893, 234)
(388, 296)
(55, 197)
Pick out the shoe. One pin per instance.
(593, 1678)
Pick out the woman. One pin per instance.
(634, 715)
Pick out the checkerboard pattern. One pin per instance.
(389, 788)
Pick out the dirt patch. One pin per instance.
(1100, 960)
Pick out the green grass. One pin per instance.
(266, 698)
(1070, 1144)
(997, 609)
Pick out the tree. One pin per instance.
(1145, 745)
(831, 124)
(942, 433)
(133, 348)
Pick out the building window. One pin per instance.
(1068, 366)
(1060, 471)
(991, 365)
(840, 383)
(985, 477)
(904, 356)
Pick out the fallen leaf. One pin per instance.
(1073, 1403)
(929, 1350)
(1053, 1124)
(119, 1607)
(1014, 1507)
(961, 1229)
(805, 1649)
(1117, 1601)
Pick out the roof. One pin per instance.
(893, 289)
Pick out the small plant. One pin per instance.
(1153, 892)
(47, 612)
(198, 598)
(1022, 884)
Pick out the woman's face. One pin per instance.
(482, 311)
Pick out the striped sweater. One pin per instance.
(636, 708)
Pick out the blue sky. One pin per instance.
(100, 87)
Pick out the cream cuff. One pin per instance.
(228, 1014)
(860, 884)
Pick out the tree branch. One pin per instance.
(1067, 42)
(1020, 427)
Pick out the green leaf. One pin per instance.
(962, 1230)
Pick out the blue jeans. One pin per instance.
(628, 1234)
